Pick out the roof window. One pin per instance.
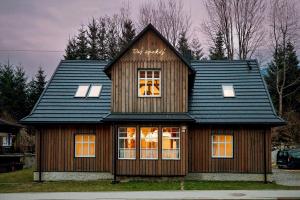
(95, 91)
(228, 90)
(88, 90)
(82, 90)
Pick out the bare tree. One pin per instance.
(284, 21)
(167, 16)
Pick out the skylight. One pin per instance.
(95, 91)
(228, 90)
(82, 90)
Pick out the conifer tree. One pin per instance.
(183, 46)
(197, 50)
(217, 51)
(71, 50)
(112, 38)
(102, 39)
(127, 33)
(92, 40)
(82, 44)
(20, 94)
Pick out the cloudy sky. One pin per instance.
(45, 26)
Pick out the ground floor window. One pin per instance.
(171, 143)
(149, 143)
(84, 145)
(222, 146)
(127, 143)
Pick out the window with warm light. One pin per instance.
(228, 90)
(171, 143)
(127, 143)
(222, 146)
(149, 83)
(84, 145)
(149, 143)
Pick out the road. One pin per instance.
(217, 194)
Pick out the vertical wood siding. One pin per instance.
(58, 149)
(248, 151)
(174, 79)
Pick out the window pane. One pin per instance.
(78, 148)
(78, 138)
(92, 149)
(84, 145)
(228, 90)
(229, 150)
(149, 143)
(95, 91)
(142, 74)
(127, 143)
(170, 147)
(215, 150)
(142, 88)
(156, 87)
(228, 138)
(156, 74)
(86, 138)
(92, 138)
(221, 149)
(149, 88)
(149, 74)
(82, 90)
(85, 149)
(215, 138)
(221, 138)
(222, 146)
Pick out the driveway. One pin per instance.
(212, 194)
(286, 177)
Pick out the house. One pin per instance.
(151, 113)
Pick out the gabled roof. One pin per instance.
(251, 104)
(57, 104)
(145, 30)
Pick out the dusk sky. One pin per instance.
(46, 26)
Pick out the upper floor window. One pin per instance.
(88, 90)
(95, 91)
(228, 90)
(82, 90)
(149, 83)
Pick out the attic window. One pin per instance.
(82, 90)
(228, 90)
(95, 91)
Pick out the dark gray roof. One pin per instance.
(151, 117)
(58, 104)
(251, 104)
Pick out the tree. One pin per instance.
(92, 40)
(216, 52)
(197, 50)
(101, 39)
(183, 46)
(71, 50)
(20, 94)
(127, 33)
(82, 44)
(112, 37)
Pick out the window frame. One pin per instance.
(233, 90)
(225, 142)
(126, 138)
(140, 138)
(179, 149)
(75, 142)
(90, 88)
(152, 79)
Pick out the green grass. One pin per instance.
(21, 181)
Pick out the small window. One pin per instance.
(149, 143)
(171, 143)
(127, 143)
(149, 83)
(228, 90)
(95, 91)
(222, 146)
(82, 90)
(84, 145)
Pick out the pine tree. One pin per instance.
(127, 33)
(71, 50)
(7, 85)
(101, 39)
(112, 38)
(20, 94)
(217, 51)
(197, 50)
(92, 40)
(82, 45)
(183, 46)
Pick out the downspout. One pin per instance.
(265, 158)
(40, 156)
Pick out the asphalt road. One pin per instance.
(218, 194)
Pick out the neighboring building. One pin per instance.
(149, 112)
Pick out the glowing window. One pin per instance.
(127, 143)
(149, 143)
(149, 83)
(84, 145)
(95, 91)
(228, 90)
(171, 143)
(222, 146)
(82, 90)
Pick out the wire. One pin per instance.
(30, 50)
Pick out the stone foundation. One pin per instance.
(73, 176)
(227, 177)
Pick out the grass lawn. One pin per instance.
(21, 181)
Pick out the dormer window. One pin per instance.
(149, 83)
(228, 90)
(82, 90)
(88, 90)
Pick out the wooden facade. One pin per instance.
(248, 150)
(174, 79)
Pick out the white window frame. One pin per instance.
(228, 85)
(152, 79)
(123, 138)
(147, 148)
(90, 89)
(87, 91)
(83, 142)
(175, 138)
(218, 143)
